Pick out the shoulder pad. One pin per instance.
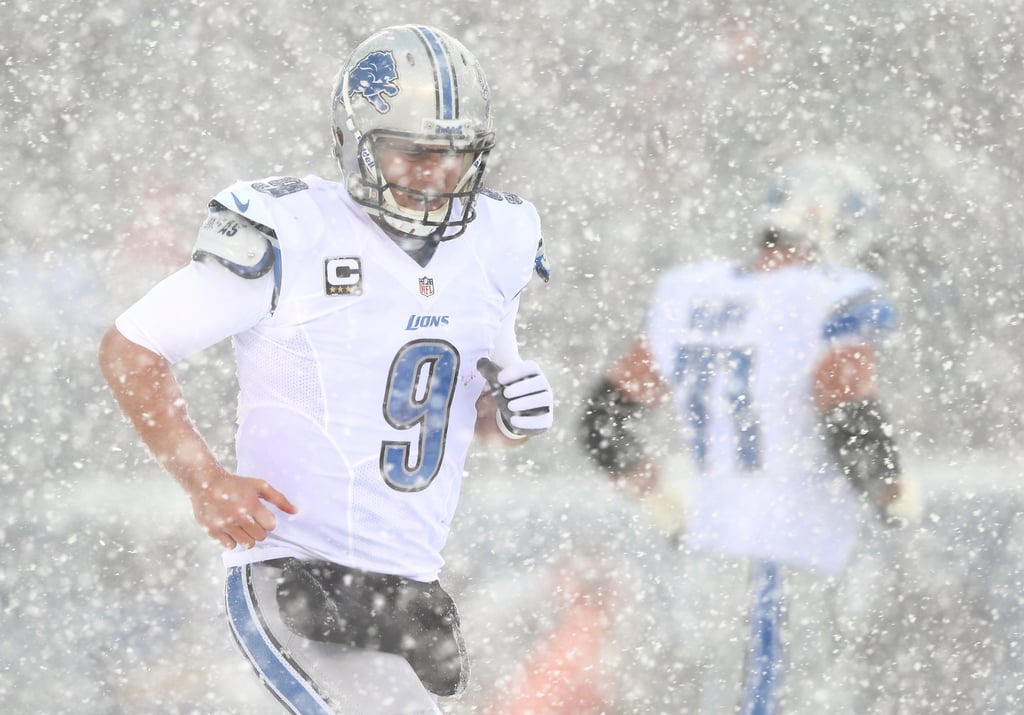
(242, 246)
(867, 315)
(501, 196)
(253, 199)
(514, 238)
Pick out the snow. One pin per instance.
(644, 133)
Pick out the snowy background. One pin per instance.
(643, 131)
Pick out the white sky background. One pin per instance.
(644, 133)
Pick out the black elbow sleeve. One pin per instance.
(606, 430)
(860, 440)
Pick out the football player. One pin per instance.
(771, 367)
(370, 319)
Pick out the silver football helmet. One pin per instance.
(822, 204)
(412, 86)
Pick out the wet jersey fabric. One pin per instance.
(739, 350)
(358, 391)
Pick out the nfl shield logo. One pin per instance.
(426, 286)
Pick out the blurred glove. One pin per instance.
(523, 396)
(664, 507)
(667, 513)
(904, 506)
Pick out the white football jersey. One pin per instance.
(739, 349)
(358, 393)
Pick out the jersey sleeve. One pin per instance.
(254, 200)
(515, 246)
(506, 345)
(540, 262)
(195, 308)
(861, 312)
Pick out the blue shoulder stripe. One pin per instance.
(868, 315)
(540, 263)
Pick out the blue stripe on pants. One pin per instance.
(288, 684)
(764, 659)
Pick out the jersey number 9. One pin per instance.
(421, 385)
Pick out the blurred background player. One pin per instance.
(366, 338)
(771, 368)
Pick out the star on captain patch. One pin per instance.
(426, 286)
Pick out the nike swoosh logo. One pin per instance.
(241, 207)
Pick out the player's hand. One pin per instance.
(231, 508)
(523, 396)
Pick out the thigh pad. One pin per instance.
(328, 602)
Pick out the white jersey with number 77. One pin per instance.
(739, 350)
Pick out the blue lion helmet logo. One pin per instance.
(374, 77)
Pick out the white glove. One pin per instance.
(523, 396)
(907, 507)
